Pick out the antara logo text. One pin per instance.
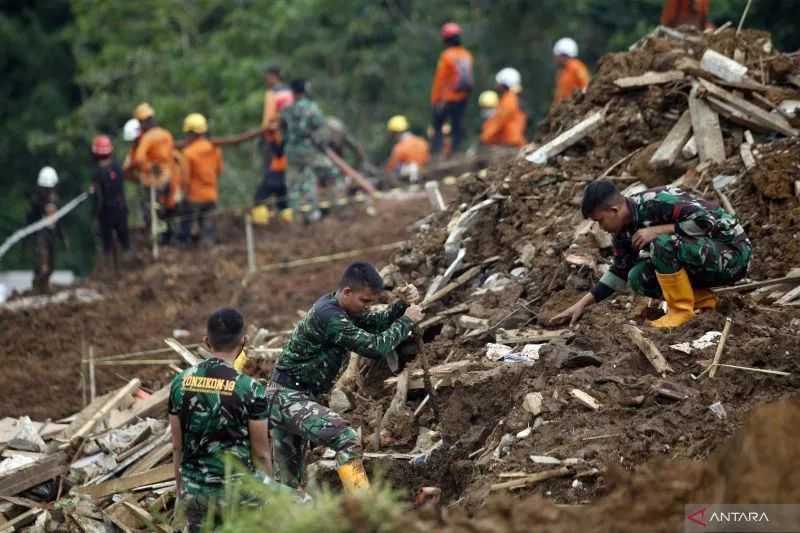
(721, 517)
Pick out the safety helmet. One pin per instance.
(131, 130)
(397, 124)
(260, 215)
(283, 99)
(195, 123)
(143, 111)
(566, 46)
(488, 99)
(450, 29)
(510, 78)
(101, 145)
(47, 177)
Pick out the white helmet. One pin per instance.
(131, 130)
(566, 46)
(509, 77)
(47, 177)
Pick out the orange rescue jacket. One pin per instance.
(409, 149)
(573, 77)
(155, 149)
(204, 162)
(685, 13)
(452, 81)
(507, 125)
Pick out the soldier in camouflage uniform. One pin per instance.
(336, 324)
(667, 243)
(308, 166)
(215, 412)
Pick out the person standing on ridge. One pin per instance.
(573, 76)
(452, 85)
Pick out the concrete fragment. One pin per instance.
(533, 403)
(27, 438)
(339, 401)
(689, 150)
(527, 255)
(722, 67)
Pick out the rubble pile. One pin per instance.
(495, 402)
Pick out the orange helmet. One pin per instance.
(450, 29)
(101, 145)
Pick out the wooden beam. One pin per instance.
(668, 152)
(572, 136)
(156, 475)
(647, 347)
(151, 460)
(112, 403)
(453, 285)
(531, 479)
(20, 521)
(720, 347)
(707, 133)
(746, 152)
(28, 476)
(766, 119)
(586, 399)
(154, 406)
(186, 354)
(794, 279)
(649, 78)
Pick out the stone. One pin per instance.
(533, 403)
(27, 438)
(339, 401)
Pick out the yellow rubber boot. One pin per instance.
(353, 476)
(287, 215)
(704, 299)
(679, 296)
(260, 215)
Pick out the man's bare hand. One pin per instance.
(408, 293)
(414, 312)
(643, 237)
(572, 314)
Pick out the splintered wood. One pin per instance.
(573, 135)
(705, 124)
(649, 78)
(647, 347)
(667, 153)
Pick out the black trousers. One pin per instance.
(114, 222)
(192, 212)
(454, 113)
(273, 189)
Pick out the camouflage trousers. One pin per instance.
(296, 419)
(202, 512)
(708, 262)
(313, 181)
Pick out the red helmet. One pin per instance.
(101, 145)
(283, 99)
(450, 29)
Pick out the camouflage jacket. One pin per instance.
(304, 127)
(214, 404)
(693, 217)
(320, 343)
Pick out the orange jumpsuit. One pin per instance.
(155, 159)
(452, 81)
(573, 77)
(685, 13)
(507, 125)
(409, 149)
(204, 162)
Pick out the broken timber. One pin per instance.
(707, 133)
(186, 354)
(677, 137)
(745, 150)
(28, 476)
(756, 284)
(737, 108)
(153, 406)
(531, 479)
(720, 347)
(156, 475)
(649, 78)
(112, 403)
(585, 399)
(453, 285)
(647, 347)
(573, 135)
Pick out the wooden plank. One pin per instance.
(649, 78)
(21, 521)
(736, 116)
(720, 347)
(149, 447)
(156, 475)
(190, 358)
(793, 279)
(769, 120)
(707, 133)
(122, 516)
(438, 371)
(531, 336)
(154, 406)
(112, 403)
(146, 517)
(789, 297)
(463, 279)
(586, 399)
(151, 459)
(531, 479)
(677, 137)
(28, 476)
(573, 135)
(647, 347)
(722, 66)
(746, 152)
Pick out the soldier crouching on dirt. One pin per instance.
(336, 324)
(667, 244)
(214, 411)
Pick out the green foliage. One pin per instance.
(73, 69)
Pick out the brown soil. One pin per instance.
(42, 348)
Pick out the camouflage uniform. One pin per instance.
(307, 369)
(308, 166)
(708, 242)
(214, 404)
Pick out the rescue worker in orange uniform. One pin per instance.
(685, 13)
(204, 165)
(157, 166)
(410, 152)
(506, 126)
(452, 85)
(573, 76)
